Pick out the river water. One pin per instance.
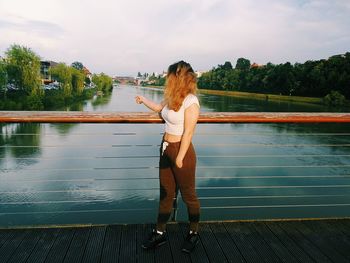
(107, 173)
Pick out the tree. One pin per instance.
(3, 77)
(334, 98)
(227, 66)
(24, 69)
(78, 78)
(243, 64)
(103, 82)
(77, 65)
(63, 74)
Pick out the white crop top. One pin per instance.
(174, 120)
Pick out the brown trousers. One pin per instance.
(170, 178)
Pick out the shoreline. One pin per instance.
(260, 96)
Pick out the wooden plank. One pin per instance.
(12, 243)
(244, 246)
(59, 248)
(306, 241)
(261, 247)
(277, 235)
(44, 245)
(176, 240)
(111, 247)
(128, 244)
(345, 226)
(308, 246)
(334, 237)
(163, 253)
(77, 247)
(227, 245)
(198, 254)
(143, 232)
(321, 241)
(94, 244)
(5, 235)
(26, 247)
(147, 117)
(338, 227)
(211, 246)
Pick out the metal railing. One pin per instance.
(105, 170)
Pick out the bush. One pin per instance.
(34, 102)
(334, 98)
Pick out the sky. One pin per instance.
(123, 37)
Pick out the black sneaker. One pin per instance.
(154, 240)
(190, 242)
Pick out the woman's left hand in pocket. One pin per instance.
(179, 163)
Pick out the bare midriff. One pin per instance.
(172, 138)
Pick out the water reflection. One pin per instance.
(20, 141)
(96, 173)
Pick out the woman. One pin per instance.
(177, 164)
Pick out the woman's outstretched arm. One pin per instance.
(157, 107)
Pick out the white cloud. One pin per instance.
(124, 37)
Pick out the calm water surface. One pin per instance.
(108, 173)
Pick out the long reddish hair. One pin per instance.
(180, 81)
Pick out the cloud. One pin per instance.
(124, 37)
(35, 34)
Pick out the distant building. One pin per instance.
(255, 65)
(45, 71)
(125, 80)
(200, 73)
(87, 74)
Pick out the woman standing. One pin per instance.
(177, 164)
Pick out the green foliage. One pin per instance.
(311, 79)
(78, 78)
(156, 81)
(103, 82)
(63, 74)
(23, 69)
(334, 98)
(34, 102)
(243, 64)
(3, 76)
(77, 65)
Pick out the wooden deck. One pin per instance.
(259, 241)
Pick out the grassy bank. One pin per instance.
(263, 96)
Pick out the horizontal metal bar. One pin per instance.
(197, 144)
(197, 134)
(145, 117)
(156, 178)
(200, 198)
(272, 206)
(151, 209)
(198, 156)
(198, 188)
(78, 211)
(268, 196)
(198, 167)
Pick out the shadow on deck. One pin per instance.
(259, 241)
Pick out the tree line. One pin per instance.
(21, 86)
(328, 78)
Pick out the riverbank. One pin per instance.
(263, 96)
(271, 97)
(51, 100)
